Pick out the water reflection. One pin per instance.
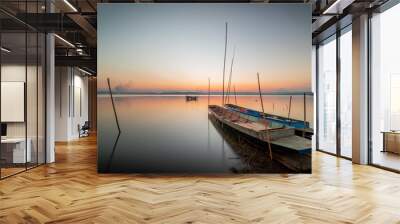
(166, 134)
(253, 157)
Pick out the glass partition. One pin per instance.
(346, 93)
(14, 153)
(22, 88)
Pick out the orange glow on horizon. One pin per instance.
(216, 87)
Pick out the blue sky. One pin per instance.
(153, 47)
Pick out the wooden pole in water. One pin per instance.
(113, 105)
(304, 112)
(234, 90)
(259, 91)
(290, 106)
(223, 73)
(263, 117)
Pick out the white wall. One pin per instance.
(71, 94)
(34, 126)
(79, 110)
(13, 100)
(62, 82)
(17, 73)
(14, 73)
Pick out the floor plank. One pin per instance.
(71, 191)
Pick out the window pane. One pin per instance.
(385, 84)
(346, 94)
(314, 90)
(327, 96)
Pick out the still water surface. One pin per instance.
(166, 134)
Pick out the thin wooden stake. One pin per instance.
(263, 117)
(305, 113)
(113, 105)
(290, 106)
(234, 90)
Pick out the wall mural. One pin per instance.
(204, 88)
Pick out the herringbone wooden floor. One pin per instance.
(71, 191)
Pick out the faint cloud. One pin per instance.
(125, 86)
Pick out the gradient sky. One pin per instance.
(168, 47)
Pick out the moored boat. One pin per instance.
(279, 119)
(280, 134)
(302, 128)
(282, 138)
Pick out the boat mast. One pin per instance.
(223, 73)
(263, 117)
(208, 91)
(230, 77)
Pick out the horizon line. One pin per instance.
(104, 91)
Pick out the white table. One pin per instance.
(19, 155)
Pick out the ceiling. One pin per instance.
(75, 21)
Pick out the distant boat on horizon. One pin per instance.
(191, 98)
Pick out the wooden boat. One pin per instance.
(279, 134)
(301, 128)
(191, 98)
(279, 119)
(282, 138)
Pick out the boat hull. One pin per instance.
(278, 135)
(299, 162)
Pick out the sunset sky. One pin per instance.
(177, 47)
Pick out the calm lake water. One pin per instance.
(166, 134)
